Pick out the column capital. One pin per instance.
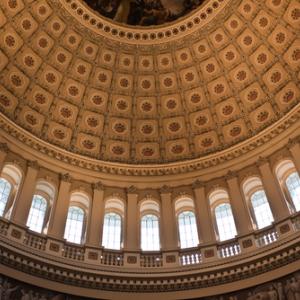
(197, 184)
(261, 161)
(65, 177)
(33, 164)
(98, 186)
(132, 190)
(165, 189)
(292, 142)
(4, 148)
(230, 175)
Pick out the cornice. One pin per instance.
(34, 144)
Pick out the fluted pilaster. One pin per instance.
(59, 213)
(23, 201)
(95, 222)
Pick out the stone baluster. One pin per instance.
(96, 216)
(294, 148)
(3, 153)
(275, 197)
(23, 201)
(169, 239)
(238, 205)
(203, 214)
(132, 221)
(59, 212)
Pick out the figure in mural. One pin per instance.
(8, 290)
(144, 12)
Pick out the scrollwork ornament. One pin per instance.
(197, 184)
(65, 177)
(33, 164)
(98, 186)
(132, 190)
(165, 189)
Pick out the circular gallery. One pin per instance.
(150, 149)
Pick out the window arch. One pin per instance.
(74, 225)
(10, 180)
(257, 199)
(40, 206)
(149, 225)
(112, 230)
(113, 224)
(223, 217)
(225, 222)
(76, 219)
(187, 223)
(36, 217)
(5, 189)
(290, 183)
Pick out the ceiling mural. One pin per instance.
(144, 12)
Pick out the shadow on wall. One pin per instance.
(144, 12)
(286, 288)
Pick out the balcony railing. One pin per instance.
(182, 257)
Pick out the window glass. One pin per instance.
(112, 229)
(37, 213)
(188, 233)
(261, 207)
(293, 186)
(5, 188)
(74, 225)
(150, 233)
(225, 222)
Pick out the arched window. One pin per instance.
(10, 180)
(5, 188)
(223, 218)
(150, 233)
(225, 222)
(188, 233)
(74, 225)
(293, 185)
(261, 207)
(37, 213)
(112, 229)
(290, 183)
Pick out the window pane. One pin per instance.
(225, 222)
(74, 225)
(293, 186)
(150, 233)
(188, 233)
(37, 212)
(5, 189)
(112, 231)
(261, 209)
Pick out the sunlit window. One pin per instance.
(112, 231)
(225, 222)
(293, 186)
(261, 207)
(37, 213)
(5, 188)
(150, 233)
(188, 233)
(74, 225)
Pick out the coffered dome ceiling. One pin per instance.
(157, 94)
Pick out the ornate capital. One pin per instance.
(230, 174)
(292, 142)
(4, 148)
(261, 161)
(33, 164)
(197, 184)
(165, 189)
(132, 190)
(98, 186)
(65, 177)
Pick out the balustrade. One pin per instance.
(73, 252)
(190, 257)
(151, 260)
(266, 237)
(35, 241)
(228, 250)
(112, 258)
